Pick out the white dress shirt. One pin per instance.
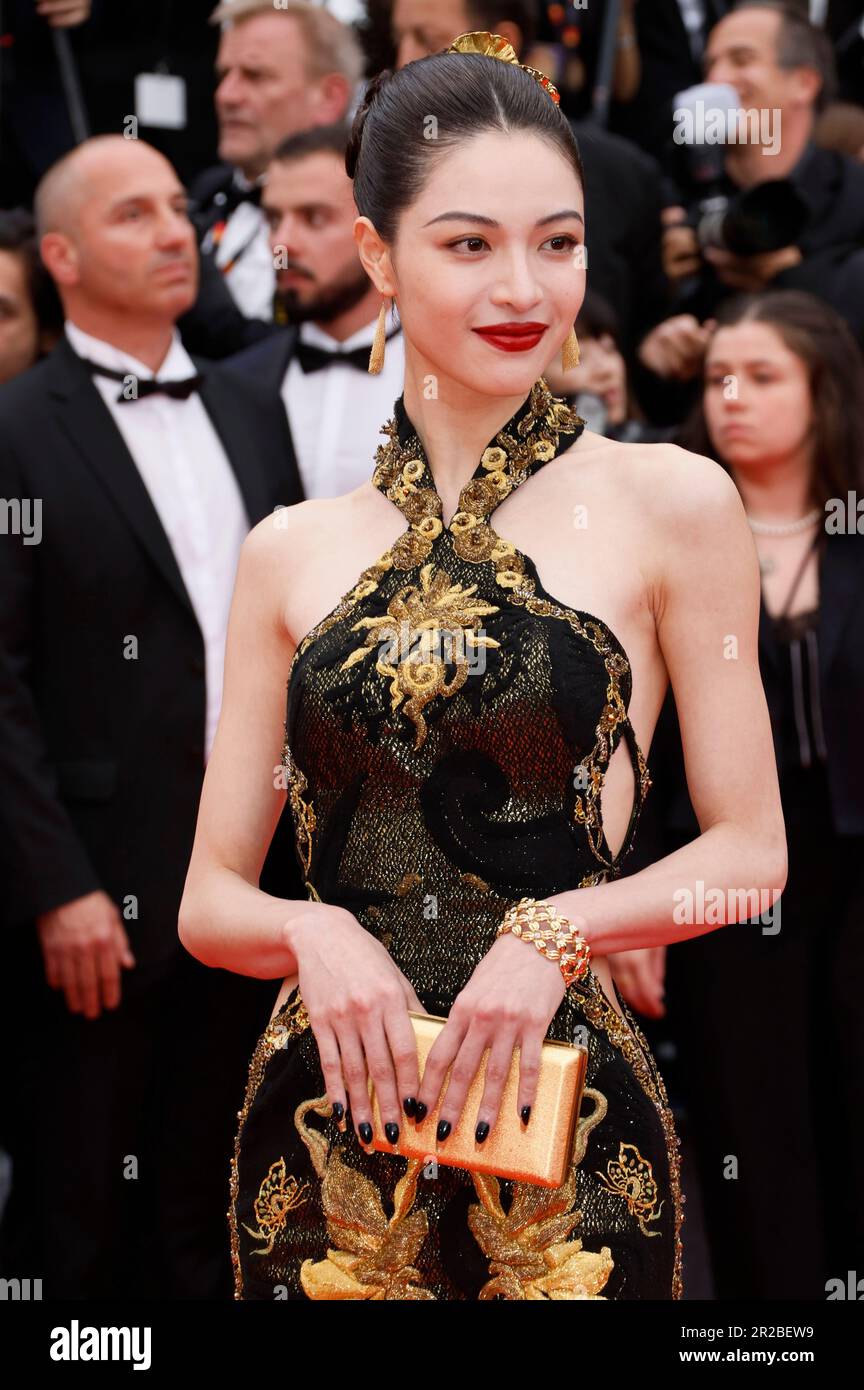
(693, 17)
(192, 485)
(252, 279)
(245, 256)
(336, 413)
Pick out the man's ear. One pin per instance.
(807, 85)
(60, 258)
(374, 256)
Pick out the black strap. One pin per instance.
(801, 568)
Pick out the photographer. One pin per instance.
(776, 213)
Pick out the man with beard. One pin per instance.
(280, 69)
(319, 363)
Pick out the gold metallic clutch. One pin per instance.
(536, 1153)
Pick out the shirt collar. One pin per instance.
(239, 179)
(362, 337)
(177, 364)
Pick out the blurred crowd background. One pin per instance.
(193, 159)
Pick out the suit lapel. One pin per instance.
(232, 426)
(230, 419)
(285, 357)
(91, 430)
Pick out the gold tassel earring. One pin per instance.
(570, 351)
(376, 356)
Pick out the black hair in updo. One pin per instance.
(388, 155)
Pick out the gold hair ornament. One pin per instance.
(496, 46)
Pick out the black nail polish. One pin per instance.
(392, 1132)
(481, 1131)
(338, 1109)
(365, 1132)
(421, 1111)
(525, 1114)
(444, 1128)
(409, 1105)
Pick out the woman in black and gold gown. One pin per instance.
(435, 783)
(406, 797)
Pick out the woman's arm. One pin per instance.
(707, 621)
(225, 919)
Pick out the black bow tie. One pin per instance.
(312, 358)
(181, 390)
(229, 199)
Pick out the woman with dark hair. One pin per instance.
(776, 1097)
(31, 315)
(451, 723)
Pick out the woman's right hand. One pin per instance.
(357, 1000)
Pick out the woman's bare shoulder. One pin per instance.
(304, 525)
(663, 478)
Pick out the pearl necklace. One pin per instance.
(784, 528)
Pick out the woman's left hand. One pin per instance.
(509, 1001)
(640, 976)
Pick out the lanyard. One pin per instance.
(798, 576)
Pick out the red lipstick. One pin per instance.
(512, 337)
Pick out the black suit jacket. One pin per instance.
(101, 757)
(669, 817)
(266, 362)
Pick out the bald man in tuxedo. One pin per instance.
(131, 474)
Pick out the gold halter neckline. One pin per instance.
(543, 427)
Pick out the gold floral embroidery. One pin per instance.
(291, 1020)
(474, 542)
(421, 613)
(371, 1257)
(530, 1254)
(632, 1177)
(626, 1035)
(278, 1194)
(302, 810)
(411, 549)
(494, 458)
(367, 584)
(407, 883)
(401, 472)
(403, 476)
(475, 881)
